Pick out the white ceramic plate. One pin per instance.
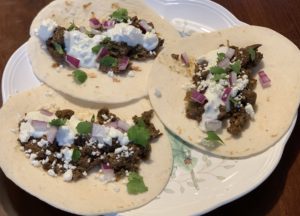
(200, 183)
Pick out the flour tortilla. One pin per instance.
(88, 196)
(276, 106)
(101, 89)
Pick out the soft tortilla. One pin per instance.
(101, 89)
(88, 196)
(276, 105)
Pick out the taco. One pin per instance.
(84, 159)
(98, 51)
(233, 93)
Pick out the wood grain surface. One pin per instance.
(278, 195)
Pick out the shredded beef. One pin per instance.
(64, 114)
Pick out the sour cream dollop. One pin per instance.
(46, 29)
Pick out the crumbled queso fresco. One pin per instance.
(65, 146)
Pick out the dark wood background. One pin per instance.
(278, 195)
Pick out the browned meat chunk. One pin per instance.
(64, 114)
(238, 121)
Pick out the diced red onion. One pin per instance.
(198, 97)
(230, 53)
(46, 112)
(226, 94)
(94, 23)
(224, 63)
(104, 166)
(108, 24)
(185, 59)
(123, 63)
(232, 78)
(51, 134)
(98, 130)
(109, 174)
(145, 26)
(72, 61)
(264, 79)
(113, 124)
(227, 105)
(123, 125)
(213, 125)
(102, 52)
(39, 125)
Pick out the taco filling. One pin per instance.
(63, 145)
(109, 45)
(223, 88)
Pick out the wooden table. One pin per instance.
(278, 195)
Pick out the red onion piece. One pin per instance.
(39, 125)
(51, 134)
(102, 52)
(198, 97)
(230, 53)
(108, 24)
(232, 78)
(94, 23)
(224, 63)
(145, 26)
(213, 125)
(123, 125)
(227, 105)
(98, 130)
(113, 124)
(185, 59)
(109, 174)
(264, 79)
(123, 63)
(104, 166)
(46, 112)
(226, 94)
(72, 61)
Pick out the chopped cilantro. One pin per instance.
(139, 134)
(93, 118)
(79, 76)
(58, 122)
(217, 70)
(218, 77)
(136, 184)
(236, 67)
(212, 136)
(84, 127)
(251, 52)
(106, 40)
(120, 15)
(108, 61)
(76, 155)
(72, 27)
(58, 48)
(221, 56)
(234, 102)
(96, 49)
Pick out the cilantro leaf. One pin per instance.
(120, 15)
(136, 184)
(139, 134)
(72, 27)
(252, 54)
(84, 127)
(58, 48)
(217, 70)
(212, 136)
(234, 102)
(58, 122)
(236, 67)
(79, 76)
(221, 56)
(76, 155)
(218, 77)
(96, 49)
(108, 61)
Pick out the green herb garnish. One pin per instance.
(221, 56)
(84, 127)
(212, 136)
(58, 122)
(108, 61)
(93, 118)
(76, 155)
(218, 77)
(217, 70)
(79, 76)
(231, 99)
(72, 27)
(136, 184)
(120, 15)
(96, 49)
(58, 48)
(252, 54)
(139, 134)
(236, 67)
